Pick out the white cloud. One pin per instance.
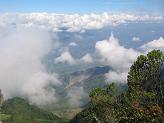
(71, 22)
(76, 95)
(22, 72)
(136, 39)
(153, 31)
(113, 76)
(87, 58)
(155, 44)
(39, 88)
(117, 57)
(73, 44)
(65, 57)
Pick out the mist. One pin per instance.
(22, 72)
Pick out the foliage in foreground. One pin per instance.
(4, 116)
(143, 102)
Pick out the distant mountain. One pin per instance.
(22, 112)
(94, 71)
(89, 78)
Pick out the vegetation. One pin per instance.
(2, 116)
(21, 111)
(143, 102)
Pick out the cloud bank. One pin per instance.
(22, 72)
(117, 57)
(71, 22)
(155, 44)
(120, 58)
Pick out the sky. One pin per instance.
(82, 6)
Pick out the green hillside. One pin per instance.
(21, 111)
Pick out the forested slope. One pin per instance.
(143, 102)
(20, 111)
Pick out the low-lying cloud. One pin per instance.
(77, 96)
(73, 44)
(120, 58)
(117, 77)
(136, 39)
(117, 57)
(155, 44)
(65, 57)
(87, 58)
(22, 72)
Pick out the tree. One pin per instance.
(142, 102)
(112, 90)
(101, 105)
(1, 98)
(145, 75)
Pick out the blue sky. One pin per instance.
(83, 6)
